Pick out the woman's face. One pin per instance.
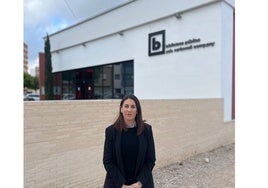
(129, 110)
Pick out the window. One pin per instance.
(111, 81)
(117, 76)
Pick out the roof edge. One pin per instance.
(93, 17)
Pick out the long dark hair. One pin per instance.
(120, 123)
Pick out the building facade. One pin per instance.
(155, 49)
(42, 75)
(25, 58)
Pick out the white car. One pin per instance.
(67, 96)
(32, 97)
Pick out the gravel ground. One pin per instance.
(214, 169)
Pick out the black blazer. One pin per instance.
(113, 163)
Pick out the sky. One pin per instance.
(49, 16)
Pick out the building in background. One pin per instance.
(25, 57)
(42, 75)
(168, 50)
(37, 72)
(25, 64)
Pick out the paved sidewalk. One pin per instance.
(214, 169)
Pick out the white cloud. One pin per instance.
(42, 12)
(52, 28)
(32, 65)
(50, 16)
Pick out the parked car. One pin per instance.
(67, 96)
(32, 97)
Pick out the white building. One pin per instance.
(156, 49)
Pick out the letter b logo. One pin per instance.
(157, 43)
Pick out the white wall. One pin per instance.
(187, 74)
(226, 59)
(196, 73)
(128, 16)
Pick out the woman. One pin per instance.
(129, 153)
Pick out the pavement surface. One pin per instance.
(214, 169)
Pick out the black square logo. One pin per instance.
(157, 43)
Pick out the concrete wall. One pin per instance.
(63, 140)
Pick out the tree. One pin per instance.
(27, 80)
(30, 82)
(48, 71)
(35, 83)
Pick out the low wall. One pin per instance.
(63, 140)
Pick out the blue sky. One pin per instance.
(48, 16)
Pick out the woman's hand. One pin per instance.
(136, 185)
(126, 186)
